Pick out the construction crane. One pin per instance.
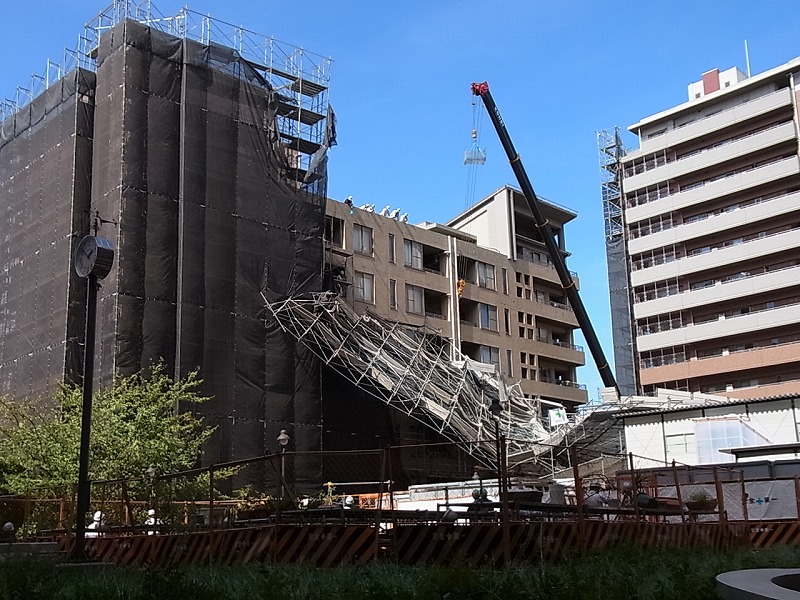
(567, 282)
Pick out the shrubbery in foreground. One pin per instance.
(618, 574)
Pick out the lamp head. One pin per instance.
(283, 438)
(495, 408)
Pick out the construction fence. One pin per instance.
(479, 517)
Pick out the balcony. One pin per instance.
(559, 351)
(565, 391)
(731, 326)
(704, 126)
(759, 210)
(717, 188)
(717, 258)
(756, 358)
(714, 155)
(774, 280)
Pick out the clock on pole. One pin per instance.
(94, 256)
(92, 261)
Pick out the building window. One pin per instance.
(391, 248)
(412, 254)
(490, 355)
(486, 276)
(713, 433)
(392, 293)
(363, 287)
(333, 231)
(415, 299)
(362, 239)
(488, 314)
(679, 446)
(509, 364)
(507, 321)
(505, 281)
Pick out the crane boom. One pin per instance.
(567, 282)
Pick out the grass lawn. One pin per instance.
(613, 575)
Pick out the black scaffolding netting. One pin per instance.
(45, 168)
(194, 173)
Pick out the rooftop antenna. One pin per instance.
(747, 58)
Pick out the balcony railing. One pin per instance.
(563, 382)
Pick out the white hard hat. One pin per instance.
(151, 512)
(8, 526)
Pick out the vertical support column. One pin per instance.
(211, 498)
(84, 485)
(384, 460)
(503, 489)
(720, 497)
(678, 491)
(455, 312)
(745, 510)
(181, 241)
(634, 488)
(576, 475)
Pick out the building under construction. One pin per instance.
(196, 160)
(199, 150)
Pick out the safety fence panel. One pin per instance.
(330, 545)
(532, 542)
(766, 534)
(318, 545)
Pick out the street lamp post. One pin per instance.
(283, 440)
(497, 409)
(150, 476)
(481, 494)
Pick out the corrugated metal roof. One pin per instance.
(634, 412)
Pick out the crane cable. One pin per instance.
(471, 156)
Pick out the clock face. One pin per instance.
(86, 256)
(94, 256)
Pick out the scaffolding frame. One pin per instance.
(300, 77)
(410, 369)
(610, 151)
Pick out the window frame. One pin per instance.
(489, 310)
(359, 291)
(413, 254)
(359, 233)
(484, 278)
(412, 289)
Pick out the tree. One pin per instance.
(137, 422)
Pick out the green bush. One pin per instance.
(618, 574)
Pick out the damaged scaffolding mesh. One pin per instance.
(411, 369)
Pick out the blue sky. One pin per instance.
(558, 70)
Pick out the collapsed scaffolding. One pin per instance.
(410, 368)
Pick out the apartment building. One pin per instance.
(483, 280)
(709, 229)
